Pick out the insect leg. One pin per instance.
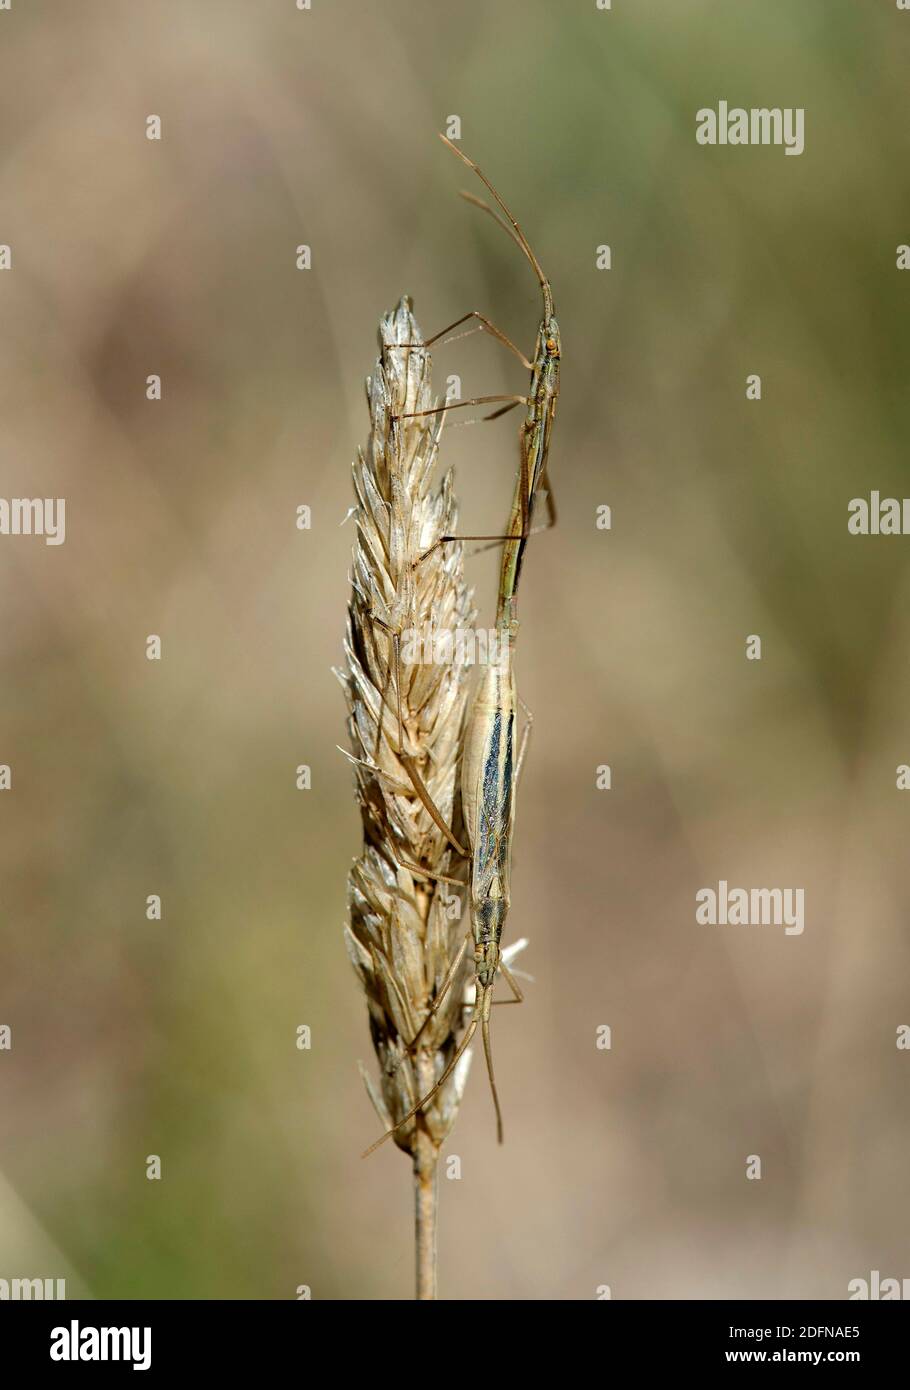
(525, 739)
(430, 805)
(518, 997)
(423, 872)
(425, 1100)
(486, 323)
(512, 536)
(512, 983)
(547, 487)
(446, 986)
(458, 405)
(491, 328)
(495, 414)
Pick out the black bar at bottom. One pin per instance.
(322, 1339)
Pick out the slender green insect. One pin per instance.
(490, 769)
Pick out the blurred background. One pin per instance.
(129, 257)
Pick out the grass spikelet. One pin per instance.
(405, 929)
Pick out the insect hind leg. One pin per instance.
(437, 1002)
(425, 1100)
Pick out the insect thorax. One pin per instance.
(486, 960)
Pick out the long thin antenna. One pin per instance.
(491, 212)
(488, 1053)
(522, 240)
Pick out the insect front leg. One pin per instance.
(523, 510)
(484, 323)
(460, 405)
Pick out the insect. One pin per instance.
(490, 768)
